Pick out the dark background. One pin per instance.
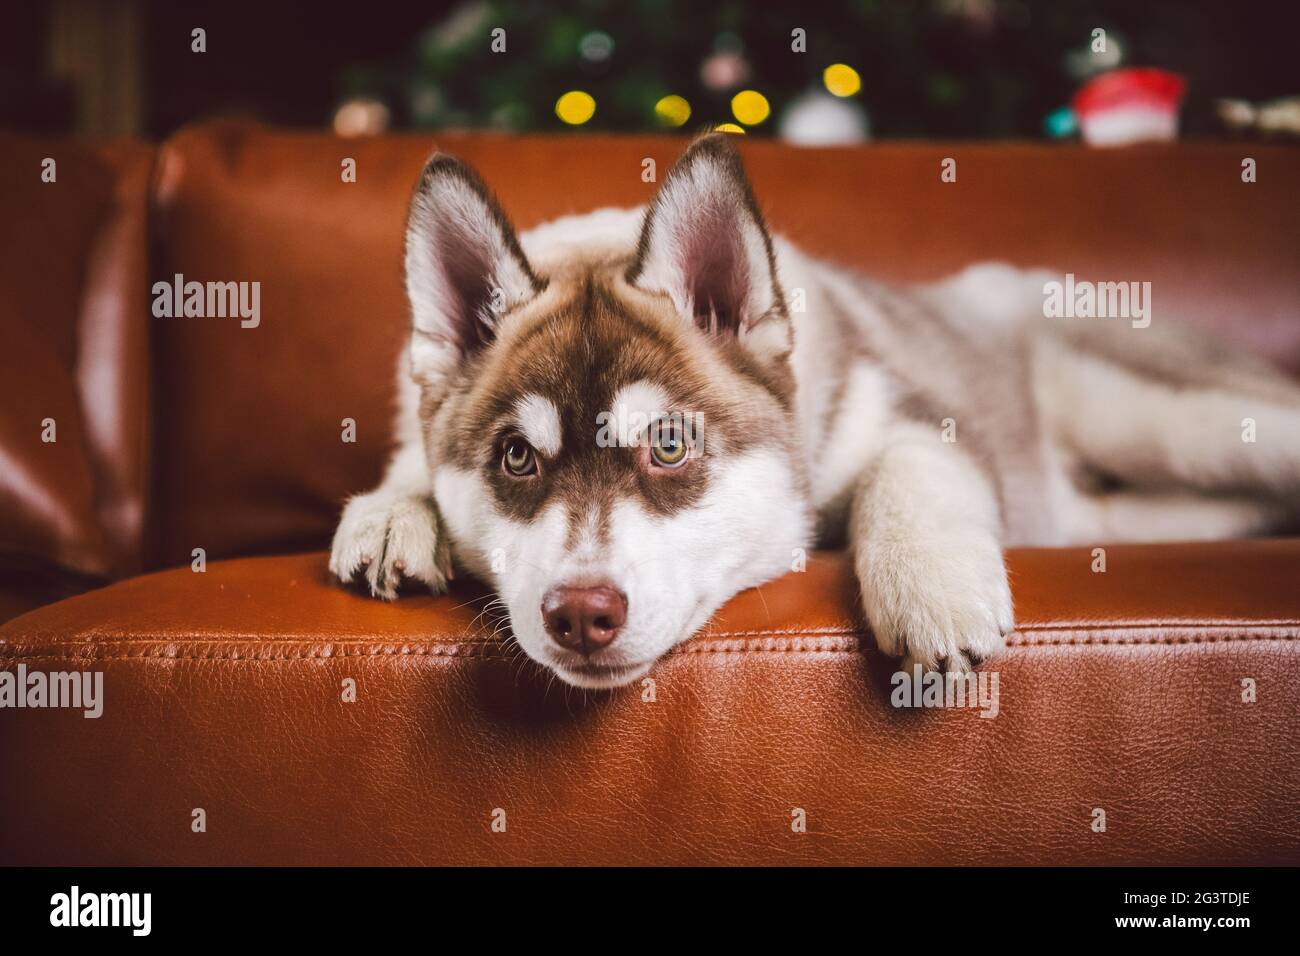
(930, 68)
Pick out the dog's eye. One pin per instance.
(517, 458)
(668, 445)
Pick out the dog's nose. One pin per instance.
(584, 619)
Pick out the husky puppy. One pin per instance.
(621, 419)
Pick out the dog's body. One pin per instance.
(928, 426)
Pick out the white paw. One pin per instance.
(937, 601)
(384, 538)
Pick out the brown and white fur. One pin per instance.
(929, 426)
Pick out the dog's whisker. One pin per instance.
(767, 611)
(471, 601)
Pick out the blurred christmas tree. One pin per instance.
(952, 68)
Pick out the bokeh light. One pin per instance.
(361, 117)
(596, 46)
(672, 110)
(575, 107)
(750, 107)
(841, 79)
(729, 128)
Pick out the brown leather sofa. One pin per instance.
(1122, 691)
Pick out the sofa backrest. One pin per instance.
(246, 425)
(73, 364)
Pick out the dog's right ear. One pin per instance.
(464, 267)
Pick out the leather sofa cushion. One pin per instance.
(247, 452)
(1122, 691)
(72, 265)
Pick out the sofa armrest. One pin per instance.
(1122, 691)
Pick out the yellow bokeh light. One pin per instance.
(673, 110)
(575, 107)
(750, 107)
(841, 79)
(729, 128)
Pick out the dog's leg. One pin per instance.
(1153, 515)
(925, 532)
(1151, 431)
(394, 531)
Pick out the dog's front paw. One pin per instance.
(938, 602)
(382, 538)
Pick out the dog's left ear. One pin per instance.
(704, 244)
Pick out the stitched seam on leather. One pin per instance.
(441, 651)
(1153, 623)
(455, 639)
(219, 659)
(485, 651)
(1161, 627)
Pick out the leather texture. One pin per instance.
(223, 690)
(1122, 691)
(73, 269)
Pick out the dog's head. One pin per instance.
(610, 428)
